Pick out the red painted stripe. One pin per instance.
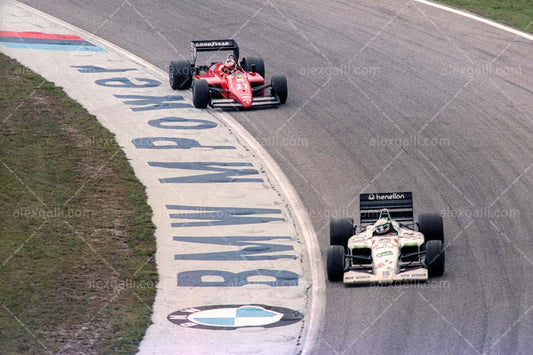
(39, 35)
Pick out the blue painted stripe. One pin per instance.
(249, 312)
(53, 47)
(46, 41)
(217, 321)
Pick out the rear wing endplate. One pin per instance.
(214, 45)
(399, 204)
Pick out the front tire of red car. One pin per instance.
(200, 93)
(279, 88)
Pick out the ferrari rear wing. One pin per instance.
(214, 45)
(399, 204)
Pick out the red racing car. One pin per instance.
(226, 84)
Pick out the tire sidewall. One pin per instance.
(435, 258)
(200, 93)
(431, 226)
(279, 88)
(180, 74)
(340, 230)
(335, 260)
(259, 65)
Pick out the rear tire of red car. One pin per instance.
(335, 263)
(435, 257)
(279, 88)
(430, 225)
(247, 63)
(180, 74)
(340, 230)
(200, 93)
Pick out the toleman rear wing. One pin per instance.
(399, 204)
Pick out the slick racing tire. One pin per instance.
(279, 88)
(180, 74)
(200, 93)
(430, 225)
(247, 63)
(435, 258)
(335, 263)
(340, 230)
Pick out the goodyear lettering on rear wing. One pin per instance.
(214, 44)
(208, 45)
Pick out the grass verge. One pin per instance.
(516, 13)
(76, 237)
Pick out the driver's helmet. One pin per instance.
(229, 64)
(384, 227)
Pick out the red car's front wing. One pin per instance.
(259, 101)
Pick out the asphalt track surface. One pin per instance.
(361, 76)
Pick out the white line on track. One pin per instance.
(478, 18)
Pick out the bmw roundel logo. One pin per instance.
(228, 317)
(371, 197)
